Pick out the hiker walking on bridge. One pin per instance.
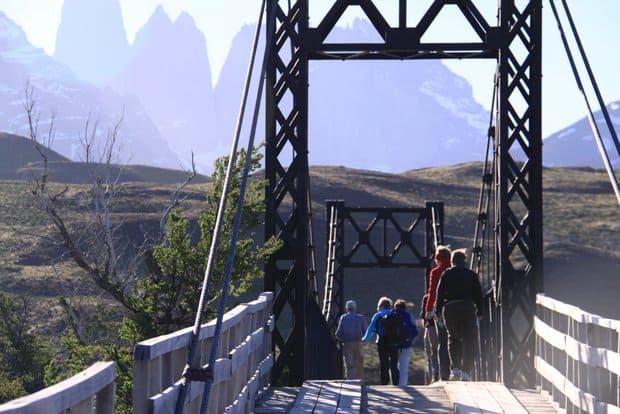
(350, 330)
(435, 335)
(435, 339)
(409, 333)
(388, 354)
(459, 295)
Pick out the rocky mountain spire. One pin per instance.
(91, 39)
(169, 72)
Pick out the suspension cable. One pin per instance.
(586, 62)
(314, 287)
(217, 230)
(435, 236)
(238, 216)
(329, 273)
(480, 231)
(591, 120)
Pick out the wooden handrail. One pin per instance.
(241, 369)
(90, 391)
(576, 313)
(577, 357)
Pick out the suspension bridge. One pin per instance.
(278, 354)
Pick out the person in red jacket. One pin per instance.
(442, 258)
(435, 334)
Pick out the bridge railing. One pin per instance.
(241, 370)
(577, 357)
(90, 391)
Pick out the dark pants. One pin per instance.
(436, 347)
(460, 317)
(442, 348)
(388, 362)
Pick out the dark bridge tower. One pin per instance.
(516, 43)
(286, 170)
(519, 239)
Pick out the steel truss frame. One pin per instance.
(380, 237)
(516, 42)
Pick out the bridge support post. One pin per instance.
(518, 160)
(286, 170)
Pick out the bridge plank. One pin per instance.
(276, 400)
(451, 397)
(388, 399)
(307, 398)
(505, 398)
(350, 397)
(462, 400)
(329, 397)
(327, 401)
(483, 397)
(535, 402)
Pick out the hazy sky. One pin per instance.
(220, 20)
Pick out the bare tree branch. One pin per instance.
(75, 322)
(105, 275)
(175, 200)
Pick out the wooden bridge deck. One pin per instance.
(442, 397)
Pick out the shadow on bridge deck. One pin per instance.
(439, 398)
(410, 399)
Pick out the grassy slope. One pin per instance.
(16, 151)
(19, 160)
(579, 209)
(80, 173)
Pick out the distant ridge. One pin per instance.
(19, 160)
(16, 151)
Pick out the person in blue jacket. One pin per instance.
(388, 355)
(410, 333)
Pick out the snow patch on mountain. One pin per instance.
(566, 132)
(60, 97)
(459, 106)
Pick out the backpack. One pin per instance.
(393, 327)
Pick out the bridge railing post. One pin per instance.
(243, 360)
(577, 357)
(617, 376)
